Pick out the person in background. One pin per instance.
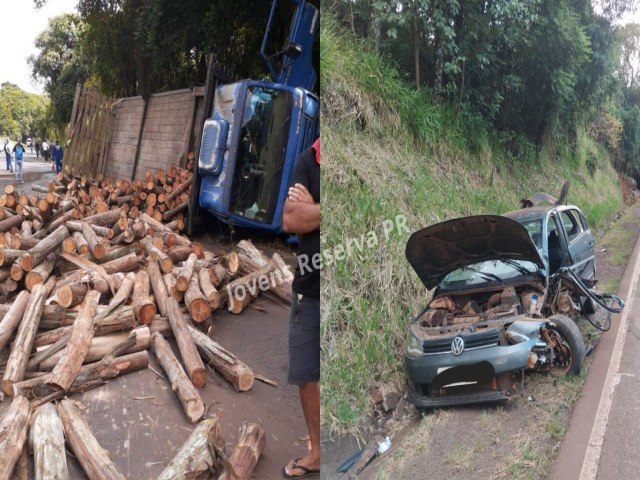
(45, 151)
(37, 149)
(57, 155)
(19, 150)
(7, 152)
(302, 216)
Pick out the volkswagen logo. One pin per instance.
(457, 346)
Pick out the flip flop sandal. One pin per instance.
(306, 472)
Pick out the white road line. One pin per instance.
(594, 448)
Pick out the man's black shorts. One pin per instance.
(304, 340)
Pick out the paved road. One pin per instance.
(603, 439)
(34, 170)
(138, 418)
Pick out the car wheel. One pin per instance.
(567, 344)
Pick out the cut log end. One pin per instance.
(26, 262)
(16, 273)
(198, 377)
(199, 310)
(195, 410)
(99, 250)
(7, 387)
(146, 313)
(166, 265)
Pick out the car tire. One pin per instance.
(569, 333)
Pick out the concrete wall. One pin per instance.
(165, 137)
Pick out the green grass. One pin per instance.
(389, 150)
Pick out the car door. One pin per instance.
(580, 243)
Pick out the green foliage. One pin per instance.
(60, 65)
(158, 45)
(380, 162)
(527, 66)
(22, 114)
(126, 47)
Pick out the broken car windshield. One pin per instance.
(488, 271)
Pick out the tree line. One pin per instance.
(22, 114)
(126, 47)
(527, 69)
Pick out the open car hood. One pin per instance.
(435, 251)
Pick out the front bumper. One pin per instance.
(429, 374)
(427, 401)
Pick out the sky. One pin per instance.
(21, 24)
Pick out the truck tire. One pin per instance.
(564, 330)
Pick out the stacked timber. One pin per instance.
(94, 274)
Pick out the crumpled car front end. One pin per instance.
(471, 366)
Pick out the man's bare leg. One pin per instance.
(310, 400)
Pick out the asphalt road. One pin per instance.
(603, 439)
(138, 419)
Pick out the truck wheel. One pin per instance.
(567, 344)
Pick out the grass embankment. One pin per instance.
(388, 150)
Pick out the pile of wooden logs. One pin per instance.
(93, 275)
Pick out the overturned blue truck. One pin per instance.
(256, 131)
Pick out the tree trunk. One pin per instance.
(120, 320)
(13, 433)
(12, 318)
(94, 459)
(40, 273)
(225, 362)
(103, 344)
(247, 452)
(196, 302)
(74, 354)
(121, 296)
(165, 262)
(19, 357)
(8, 223)
(197, 457)
(182, 281)
(180, 383)
(143, 305)
(169, 307)
(8, 256)
(97, 246)
(105, 219)
(210, 292)
(47, 439)
(72, 295)
(45, 246)
(81, 244)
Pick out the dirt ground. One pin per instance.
(517, 440)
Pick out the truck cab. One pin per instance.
(257, 130)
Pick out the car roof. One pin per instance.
(536, 213)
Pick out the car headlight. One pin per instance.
(414, 345)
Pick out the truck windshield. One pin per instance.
(261, 153)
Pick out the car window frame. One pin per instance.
(577, 224)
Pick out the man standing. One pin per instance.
(19, 150)
(7, 152)
(37, 149)
(45, 151)
(302, 216)
(57, 155)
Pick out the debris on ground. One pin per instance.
(94, 273)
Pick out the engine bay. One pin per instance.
(470, 311)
